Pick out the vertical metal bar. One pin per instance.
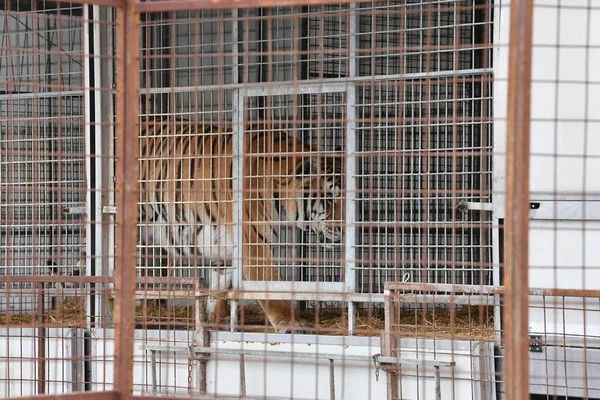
(237, 128)
(76, 361)
(517, 201)
(331, 380)
(41, 341)
(391, 376)
(100, 163)
(350, 234)
(498, 173)
(242, 376)
(41, 331)
(202, 334)
(438, 388)
(128, 27)
(237, 195)
(153, 366)
(108, 151)
(89, 83)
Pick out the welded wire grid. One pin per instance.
(390, 101)
(49, 298)
(564, 202)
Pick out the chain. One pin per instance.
(377, 364)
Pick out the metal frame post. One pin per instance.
(128, 32)
(350, 245)
(517, 201)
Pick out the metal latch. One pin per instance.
(78, 210)
(109, 209)
(463, 206)
(535, 343)
(377, 365)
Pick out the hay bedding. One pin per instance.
(70, 312)
(469, 322)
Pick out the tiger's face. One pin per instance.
(322, 202)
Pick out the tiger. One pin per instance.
(186, 193)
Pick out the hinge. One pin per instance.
(535, 343)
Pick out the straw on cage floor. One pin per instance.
(69, 312)
(468, 322)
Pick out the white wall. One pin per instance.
(300, 379)
(18, 361)
(564, 249)
(565, 150)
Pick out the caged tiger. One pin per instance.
(186, 201)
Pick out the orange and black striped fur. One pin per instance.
(186, 205)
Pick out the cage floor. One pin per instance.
(467, 323)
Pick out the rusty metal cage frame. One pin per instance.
(516, 289)
(327, 290)
(516, 247)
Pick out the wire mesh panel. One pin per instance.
(255, 121)
(337, 174)
(49, 215)
(325, 131)
(42, 169)
(424, 144)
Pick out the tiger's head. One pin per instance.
(319, 205)
(307, 184)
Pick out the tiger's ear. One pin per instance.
(309, 166)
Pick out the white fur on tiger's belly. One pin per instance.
(196, 244)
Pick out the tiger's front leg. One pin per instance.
(221, 280)
(280, 313)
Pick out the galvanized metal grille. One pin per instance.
(329, 171)
(301, 255)
(421, 143)
(42, 164)
(425, 145)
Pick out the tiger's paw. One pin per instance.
(297, 327)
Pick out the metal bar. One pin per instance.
(108, 395)
(386, 351)
(565, 210)
(41, 95)
(297, 89)
(293, 288)
(294, 87)
(331, 380)
(350, 229)
(185, 5)
(473, 289)
(472, 299)
(433, 287)
(54, 278)
(438, 388)
(298, 355)
(41, 341)
(107, 3)
(242, 376)
(128, 27)
(100, 163)
(237, 165)
(153, 366)
(203, 338)
(517, 201)
(76, 362)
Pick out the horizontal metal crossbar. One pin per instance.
(488, 290)
(326, 85)
(298, 355)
